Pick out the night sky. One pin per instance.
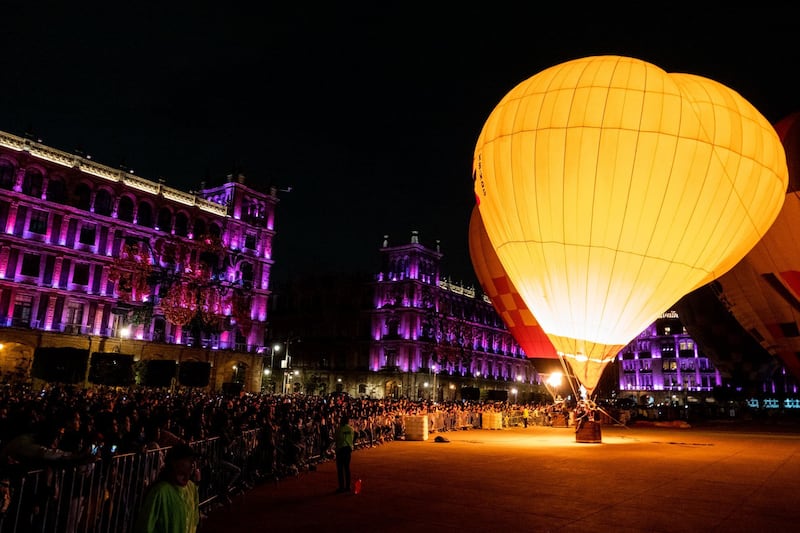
(370, 115)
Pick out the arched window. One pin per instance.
(6, 175)
(144, 215)
(199, 228)
(82, 197)
(125, 209)
(164, 219)
(103, 202)
(214, 230)
(32, 183)
(181, 224)
(56, 191)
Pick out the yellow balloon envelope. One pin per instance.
(610, 188)
(763, 289)
(506, 299)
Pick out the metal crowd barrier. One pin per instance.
(104, 496)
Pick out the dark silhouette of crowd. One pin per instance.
(256, 436)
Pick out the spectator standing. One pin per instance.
(344, 449)
(172, 504)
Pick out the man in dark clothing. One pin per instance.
(344, 450)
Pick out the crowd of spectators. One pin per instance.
(63, 426)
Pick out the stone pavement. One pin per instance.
(727, 478)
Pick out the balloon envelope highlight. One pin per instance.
(610, 188)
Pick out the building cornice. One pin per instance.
(129, 179)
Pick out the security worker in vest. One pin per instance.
(344, 450)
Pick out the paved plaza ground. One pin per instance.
(720, 478)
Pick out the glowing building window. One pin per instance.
(74, 318)
(38, 222)
(22, 310)
(391, 358)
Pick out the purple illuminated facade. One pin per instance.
(430, 337)
(68, 222)
(403, 331)
(664, 363)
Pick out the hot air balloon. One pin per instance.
(506, 300)
(763, 290)
(610, 188)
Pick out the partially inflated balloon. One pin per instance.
(610, 188)
(506, 300)
(763, 290)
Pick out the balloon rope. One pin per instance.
(570, 377)
(620, 422)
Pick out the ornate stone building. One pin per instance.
(103, 260)
(406, 331)
(664, 365)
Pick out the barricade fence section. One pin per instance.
(105, 495)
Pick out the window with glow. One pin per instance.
(75, 314)
(391, 358)
(22, 310)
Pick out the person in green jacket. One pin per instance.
(345, 435)
(172, 504)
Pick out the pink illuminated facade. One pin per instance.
(423, 327)
(104, 259)
(664, 363)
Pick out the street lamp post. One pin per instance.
(435, 393)
(553, 383)
(286, 364)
